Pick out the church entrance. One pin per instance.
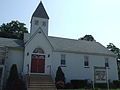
(38, 61)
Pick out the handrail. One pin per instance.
(28, 69)
(28, 75)
(49, 66)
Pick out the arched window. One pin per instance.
(38, 50)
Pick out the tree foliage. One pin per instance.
(14, 29)
(114, 49)
(88, 38)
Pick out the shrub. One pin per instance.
(13, 73)
(60, 84)
(68, 86)
(13, 81)
(100, 85)
(60, 78)
(79, 83)
(116, 83)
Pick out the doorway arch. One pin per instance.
(38, 61)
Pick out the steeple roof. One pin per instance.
(40, 12)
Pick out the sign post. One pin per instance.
(93, 82)
(107, 78)
(100, 75)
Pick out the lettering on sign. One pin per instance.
(100, 75)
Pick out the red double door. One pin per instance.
(38, 63)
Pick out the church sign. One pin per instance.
(100, 75)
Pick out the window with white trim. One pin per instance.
(106, 62)
(86, 61)
(63, 59)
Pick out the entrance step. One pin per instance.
(40, 78)
(40, 82)
(41, 89)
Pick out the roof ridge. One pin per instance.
(62, 38)
(72, 39)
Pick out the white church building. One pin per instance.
(41, 54)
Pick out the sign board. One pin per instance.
(100, 75)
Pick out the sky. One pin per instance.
(70, 18)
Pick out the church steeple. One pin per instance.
(39, 18)
(40, 12)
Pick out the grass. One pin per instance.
(90, 89)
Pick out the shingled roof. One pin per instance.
(8, 42)
(78, 46)
(40, 12)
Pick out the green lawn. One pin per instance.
(89, 89)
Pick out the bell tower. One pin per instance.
(39, 18)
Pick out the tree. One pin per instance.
(14, 29)
(88, 38)
(60, 78)
(116, 51)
